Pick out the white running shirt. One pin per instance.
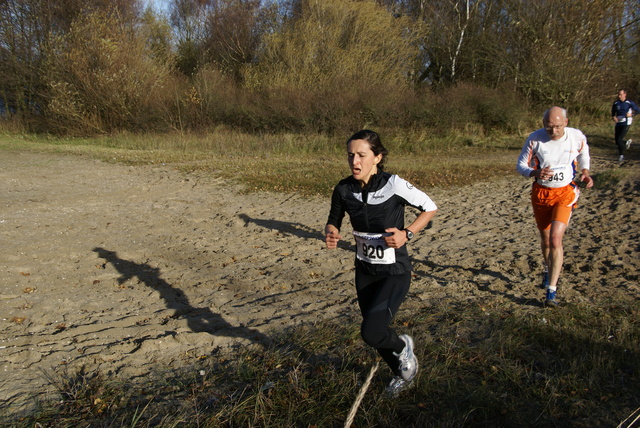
(566, 156)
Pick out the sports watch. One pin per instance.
(409, 234)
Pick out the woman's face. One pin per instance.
(362, 161)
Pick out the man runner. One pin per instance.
(553, 156)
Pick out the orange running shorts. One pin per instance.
(553, 204)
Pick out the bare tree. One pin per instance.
(626, 48)
(188, 19)
(26, 29)
(559, 49)
(234, 30)
(456, 29)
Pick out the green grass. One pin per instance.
(482, 364)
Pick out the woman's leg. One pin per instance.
(379, 299)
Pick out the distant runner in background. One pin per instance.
(622, 112)
(375, 202)
(553, 156)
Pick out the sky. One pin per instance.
(158, 5)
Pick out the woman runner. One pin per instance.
(375, 202)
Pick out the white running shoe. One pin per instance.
(629, 143)
(621, 158)
(408, 361)
(396, 386)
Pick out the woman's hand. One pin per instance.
(397, 238)
(332, 237)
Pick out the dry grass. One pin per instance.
(291, 163)
(483, 364)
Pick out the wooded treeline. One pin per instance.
(98, 66)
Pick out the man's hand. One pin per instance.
(586, 178)
(543, 174)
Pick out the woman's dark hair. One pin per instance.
(373, 139)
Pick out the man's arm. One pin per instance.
(523, 166)
(586, 178)
(584, 162)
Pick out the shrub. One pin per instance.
(469, 106)
(337, 40)
(103, 78)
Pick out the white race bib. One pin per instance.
(371, 248)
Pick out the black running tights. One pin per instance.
(379, 298)
(620, 133)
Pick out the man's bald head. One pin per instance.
(554, 121)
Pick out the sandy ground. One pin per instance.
(126, 269)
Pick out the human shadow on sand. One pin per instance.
(198, 319)
(298, 229)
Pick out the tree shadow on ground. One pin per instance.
(438, 272)
(198, 319)
(298, 229)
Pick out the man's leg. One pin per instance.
(544, 246)
(552, 226)
(620, 133)
(556, 252)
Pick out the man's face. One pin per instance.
(622, 95)
(555, 126)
